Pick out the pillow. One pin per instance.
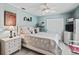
(36, 30)
(25, 30)
(29, 30)
(32, 30)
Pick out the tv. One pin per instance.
(69, 27)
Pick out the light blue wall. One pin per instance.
(64, 16)
(76, 13)
(19, 14)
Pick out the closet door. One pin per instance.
(55, 25)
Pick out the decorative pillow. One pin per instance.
(28, 30)
(25, 30)
(36, 30)
(32, 30)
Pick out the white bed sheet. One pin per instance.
(51, 36)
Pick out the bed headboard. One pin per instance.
(27, 29)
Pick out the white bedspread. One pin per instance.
(51, 36)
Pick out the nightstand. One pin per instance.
(10, 45)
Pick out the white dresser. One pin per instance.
(67, 37)
(10, 45)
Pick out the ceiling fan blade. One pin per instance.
(52, 10)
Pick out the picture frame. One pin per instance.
(9, 18)
(27, 19)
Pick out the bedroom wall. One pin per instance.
(76, 13)
(19, 15)
(64, 16)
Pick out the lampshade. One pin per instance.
(10, 28)
(45, 11)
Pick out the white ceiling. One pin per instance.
(35, 8)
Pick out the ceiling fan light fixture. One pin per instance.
(53, 11)
(46, 10)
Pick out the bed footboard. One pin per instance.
(43, 43)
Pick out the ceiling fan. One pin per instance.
(45, 9)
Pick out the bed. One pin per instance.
(42, 42)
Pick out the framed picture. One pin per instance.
(27, 19)
(9, 18)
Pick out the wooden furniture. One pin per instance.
(73, 41)
(75, 46)
(10, 45)
(69, 29)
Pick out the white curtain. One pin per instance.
(55, 25)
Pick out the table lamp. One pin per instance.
(10, 28)
(10, 21)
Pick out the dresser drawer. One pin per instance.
(10, 45)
